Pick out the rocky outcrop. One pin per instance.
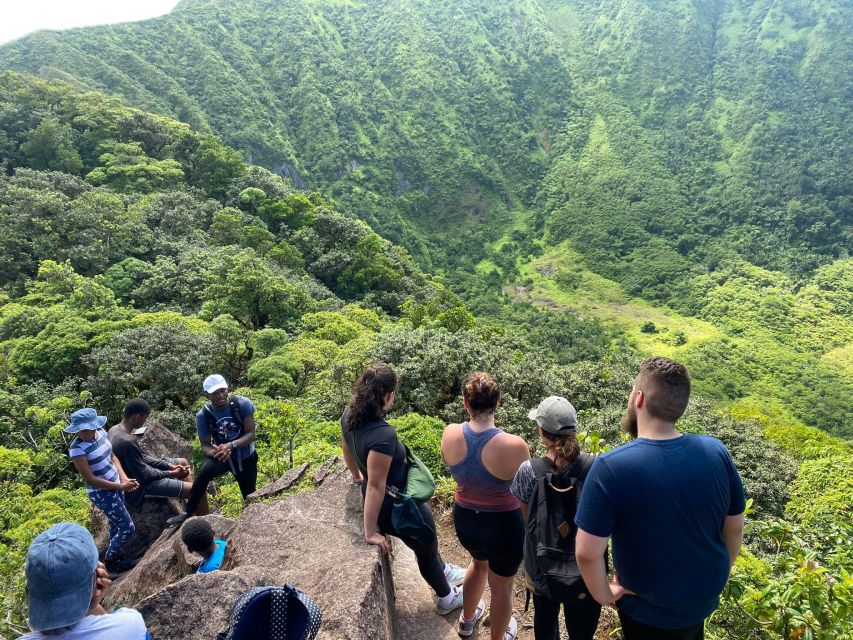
(414, 606)
(166, 561)
(285, 482)
(325, 469)
(198, 606)
(313, 540)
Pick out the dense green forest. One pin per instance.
(694, 155)
(546, 190)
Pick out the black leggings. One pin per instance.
(247, 478)
(429, 559)
(633, 630)
(581, 613)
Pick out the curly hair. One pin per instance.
(368, 395)
(666, 385)
(482, 392)
(197, 534)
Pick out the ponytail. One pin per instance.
(368, 395)
(567, 448)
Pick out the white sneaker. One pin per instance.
(512, 629)
(455, 602)
(454, 574)
(466, 628)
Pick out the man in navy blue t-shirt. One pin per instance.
(226, 431)
(674, 506)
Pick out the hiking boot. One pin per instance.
(178, 520)
(466, 628)
(455, 602)
(454, 574)
(511, 632)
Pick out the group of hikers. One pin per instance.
(671, 503)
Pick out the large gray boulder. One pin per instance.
(166, 561)
(313, 540)
(198, 606)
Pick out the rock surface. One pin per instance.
(323, 472)
(313, 540)
(167, 561)
(318, 546)
(415, 616)
(198, 606)
(285, 482)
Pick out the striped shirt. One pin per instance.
(98, 454)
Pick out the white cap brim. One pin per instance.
(534, 414)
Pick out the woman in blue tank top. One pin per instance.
(483, 460)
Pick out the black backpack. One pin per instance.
(233, 407)
(550, 567)
(273, 613)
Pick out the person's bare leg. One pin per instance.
(500, 607)
(203, 507)
(473, 586)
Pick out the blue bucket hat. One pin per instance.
(61, 564)
(84, 419)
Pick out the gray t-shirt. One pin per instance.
(124, 624)
(524, 482)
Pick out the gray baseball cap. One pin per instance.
(555, 415)
(60, 570)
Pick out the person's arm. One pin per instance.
(733, 536)
(157, 463)
(378, 465)
(349, 459)
(135, 462)
(248, 434)
(525, 509)
(82, 466)
(207, 447)
(589, 552)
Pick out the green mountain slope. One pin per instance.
(695, 154)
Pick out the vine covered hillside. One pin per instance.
(140, 255)
(685, 161)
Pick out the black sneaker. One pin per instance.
(178, 520)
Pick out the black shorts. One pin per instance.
(494, 536)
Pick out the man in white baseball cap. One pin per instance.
(226, 430)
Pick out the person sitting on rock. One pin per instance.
(92, 455)
(371, 445)
(226, 430)
(65, 587)
(197, 534)
(157, 477)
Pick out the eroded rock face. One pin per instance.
(313, 540)
(167, 561)
(198, 606)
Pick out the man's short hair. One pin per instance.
(666, 386)
(197, 534)
(136, 407)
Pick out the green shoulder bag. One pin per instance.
(420, 483)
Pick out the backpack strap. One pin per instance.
(542, 466)
(234, 407)
(211, 420)
(278, 614)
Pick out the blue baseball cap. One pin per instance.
(61, 564)
(84, 419)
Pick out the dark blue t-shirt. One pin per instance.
(226, 428)
(664, 503)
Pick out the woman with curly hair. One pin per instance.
(377, 459)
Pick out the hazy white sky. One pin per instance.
(20, 17)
